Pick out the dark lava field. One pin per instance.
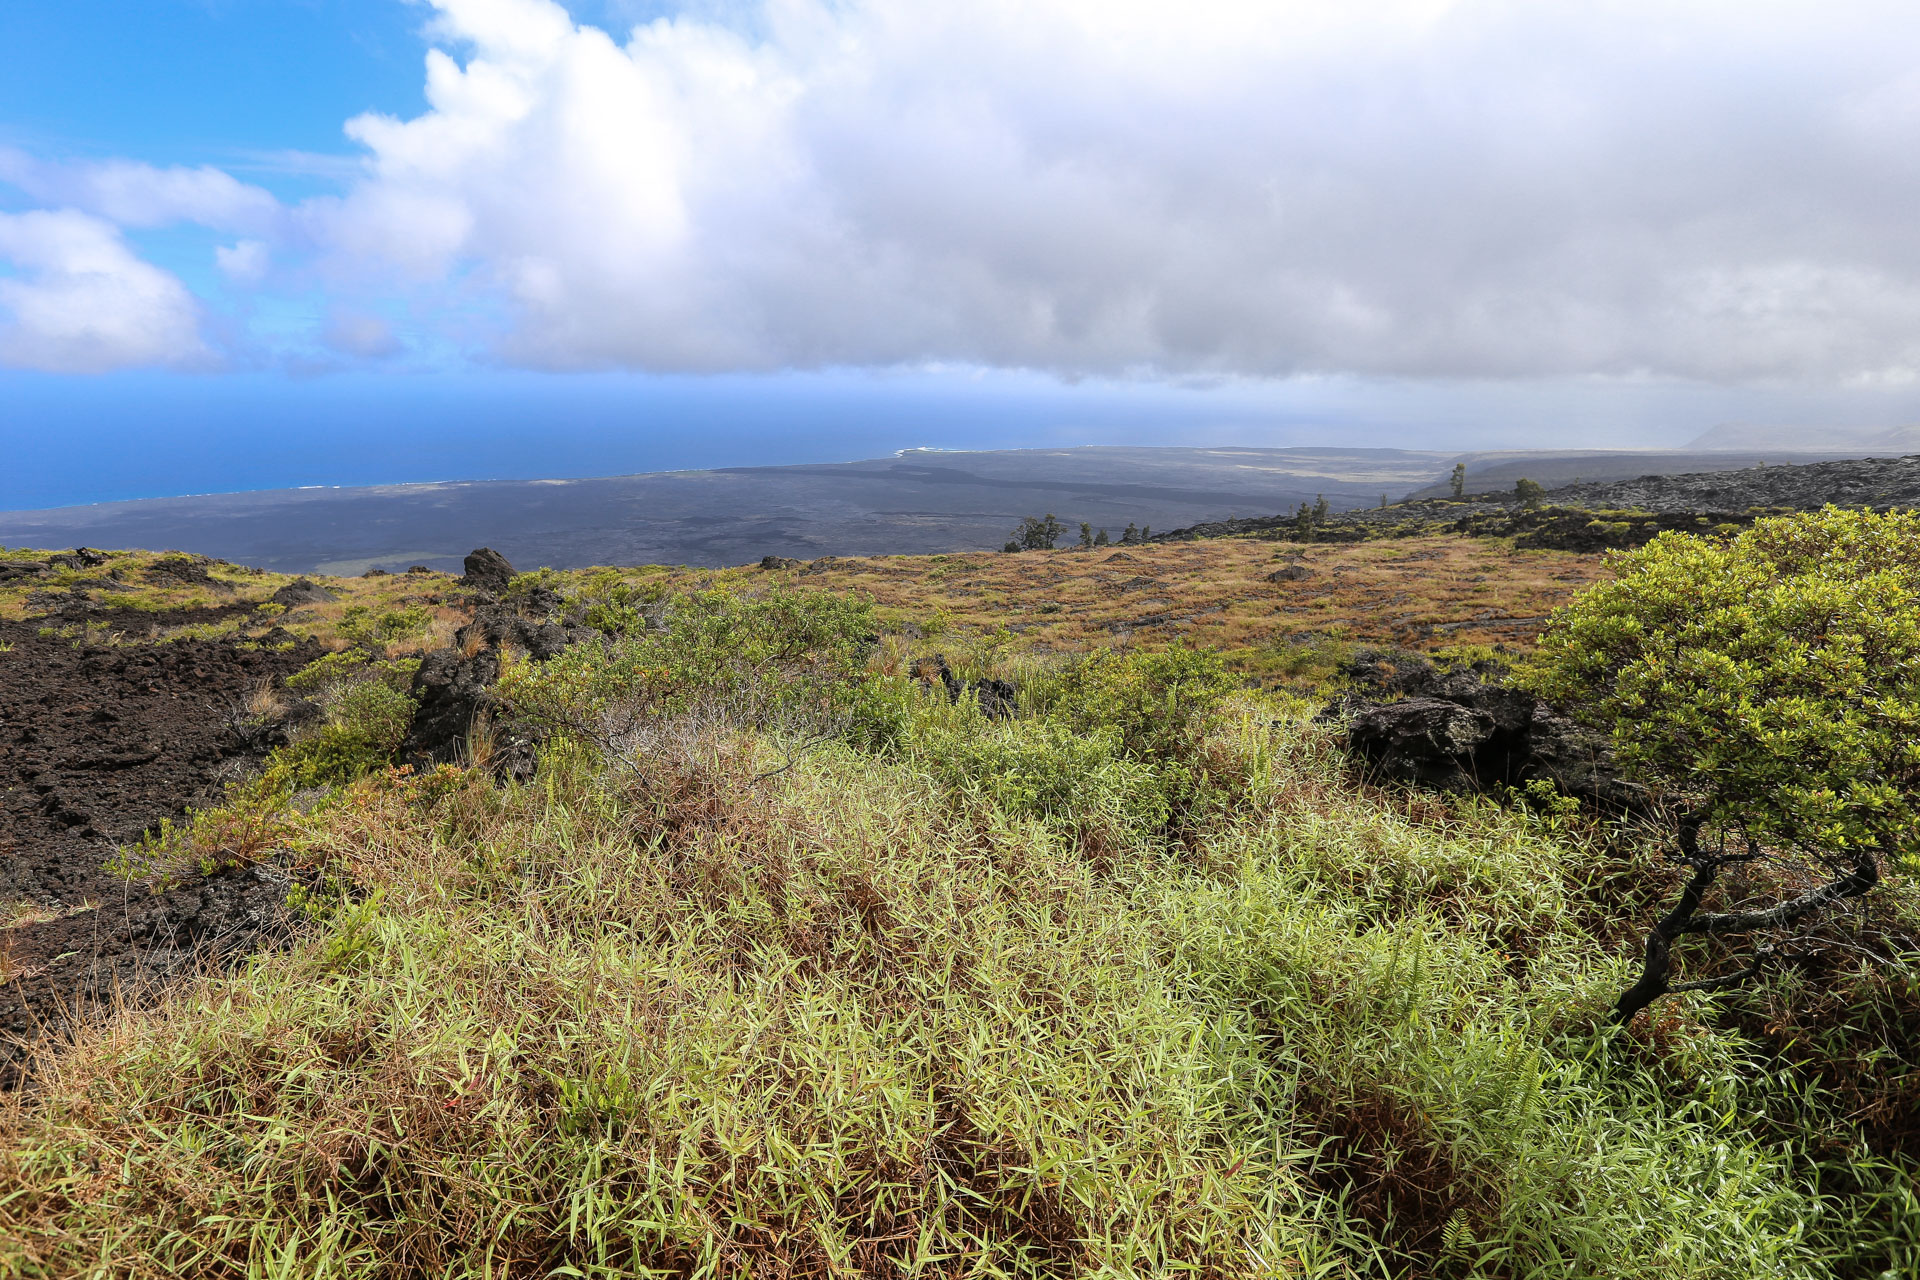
(98, 744)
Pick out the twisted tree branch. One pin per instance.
(1657, 968)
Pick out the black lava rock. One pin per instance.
(1466, 730)
(302, 591)
(452, 692)
(488, 571)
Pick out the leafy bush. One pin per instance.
(1079, 782)
(1155, 703)
(365, 711)
(1771, 684)
(1112, 753)
(613, 604)
(363, 627)
(1772, 679)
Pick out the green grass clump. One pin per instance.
(365, 709)
(781, 966)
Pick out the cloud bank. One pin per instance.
(1711, 191)
(82, 302)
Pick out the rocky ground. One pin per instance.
(1858, 482)
(1455, 728)
(1602, 517)
(98, 744)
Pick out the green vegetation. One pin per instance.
(361, 625)
(364, 712)
(1036, 533)
(1771, 682)
(788, 963)
(1773, 678)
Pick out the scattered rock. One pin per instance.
(98, 744)
(487, 570)
(1292, 573)
(120, 953)
(302, 591)
(418, 568)
(19, 570)
(1121, 557)
(79, 558)
(453, 686)
(1855, 482)
(778, 562)
(498, 626)
(376, 573)
(179, 569)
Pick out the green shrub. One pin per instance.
(1155, 703)
(365, 711)
(1772, 679)
(1110, 754)
(361, 626)
(615, 605)
(1076, 781)
(319, 678)
(760, 657)
(1770, 684)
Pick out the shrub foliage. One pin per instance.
(1771, 684)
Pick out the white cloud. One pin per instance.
(1716, 191)
(141, 195)
(81, 302)
(360, 333)
(244, 262)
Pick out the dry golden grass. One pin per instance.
(123, 594)
(1421, 593)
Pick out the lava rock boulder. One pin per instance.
(302, 591)
(1426, 741)
(1465, 729)
(487, 570)
(452, 693)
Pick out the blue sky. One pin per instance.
(254, 243)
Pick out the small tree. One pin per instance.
(1086, 536)
(1101, 539)
(1129, 535)
(1036, 533)
(1770, 686)
(1320, 509)
(1303, 523)
(1146, 532)
(1458, 482)
(1529, 492)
